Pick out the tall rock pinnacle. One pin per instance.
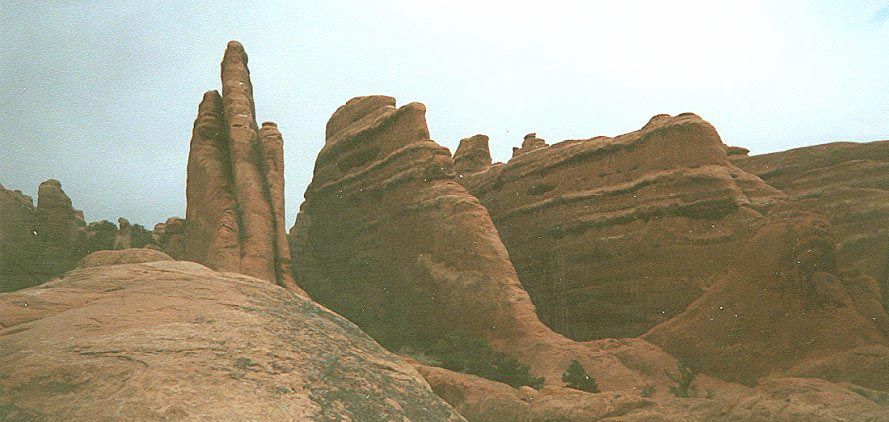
(235, 190)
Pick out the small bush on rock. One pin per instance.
(576, 377)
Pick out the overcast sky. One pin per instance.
(102, 95)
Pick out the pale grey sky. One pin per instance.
(102, 95)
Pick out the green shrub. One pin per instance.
(576, 377)
(474, 356)
(684, 378)
(140, 236)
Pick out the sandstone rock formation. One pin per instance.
(127, 256)
(235, 190)
(175, 340)
(37, 243)
(529, 143)
(656, 233)
(472, 155)
(611, 236)
(124, 237)
(57, 229)
(18, 241)
(171, 237)
(420, 259)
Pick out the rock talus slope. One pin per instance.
(175, 340)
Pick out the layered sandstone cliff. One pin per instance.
(611, 236)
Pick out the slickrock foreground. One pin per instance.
(235, 191)
(175, 340)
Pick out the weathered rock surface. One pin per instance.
(420, 259)
(37, 243)
(124, 237)
(472, 155)
(847, 183)
(175, 340)
(57, 229)
(775, 399)
(18, 241)
(235, 190)
(782, 307)
(126, 256)
(611, 236)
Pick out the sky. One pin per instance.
(102, 95)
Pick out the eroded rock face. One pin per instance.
(175, 340)
(611, 236)
(18, 241)
(57, 229)
(472, 155)
(420, 259)
(848, 183)
(235, 190)
(124, 237)
(126, 256)
(37, 243)
(784, 308)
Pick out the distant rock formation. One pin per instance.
(37, 243)
(18, 241)
(124, 237)
(174, 340)
(171, 238)
(473, 155)
(529, 143)
(235, 191)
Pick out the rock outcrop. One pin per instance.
(126, 256)
(57, 229)
(18, 241)
(37, 243)
(175, 340)
(784, 308)
(124, 237)
(529, 143)
(171, 237)
(612, 236)
(472, 155)
(419, 258)
(846, 183)
(235, 190)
